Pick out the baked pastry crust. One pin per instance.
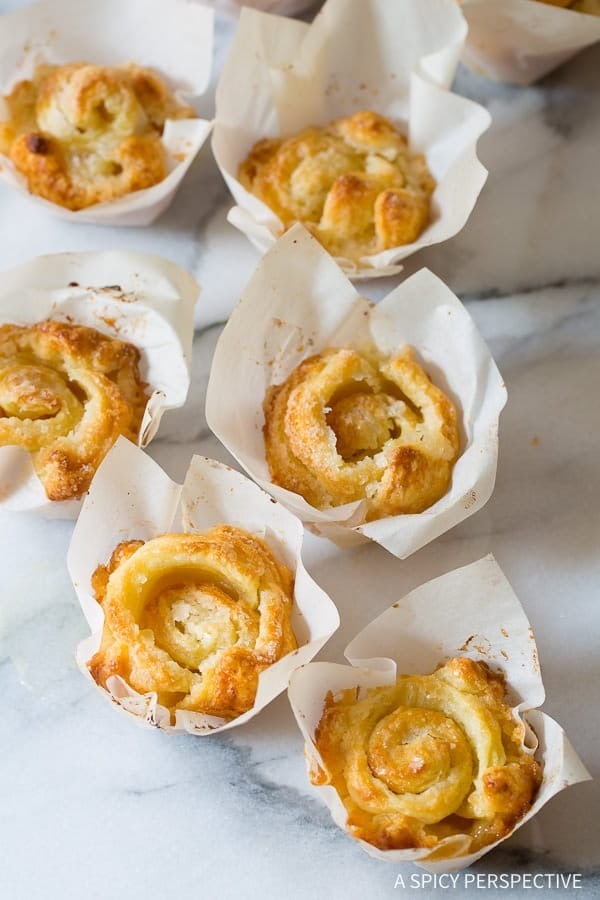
(430, 757)
(354, 184)
(194, 617)
(348, 426)
(66, 394)
(83, 134)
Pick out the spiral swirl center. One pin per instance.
(362, 423)
(192, 622)
(413, 749)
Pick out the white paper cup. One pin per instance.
(298, 303)
(397, 58)
(132, 498)
(522, 40)
(173, 37)
(142, 299)
(471, 612)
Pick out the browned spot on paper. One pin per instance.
(470, 500)
(477, 642)
(110, 321)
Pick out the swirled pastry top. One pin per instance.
(430, 757)
(194, 617)
(66, 394)
(348, 426)
(83, 134)
(354, 184)
(591, 7)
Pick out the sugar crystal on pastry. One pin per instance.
(194, 617)
(354, 184)
(66, 394)
(348, 425)
(83, 134)
(430, 757)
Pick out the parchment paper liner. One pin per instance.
(173, 37)
(470, 612)
(522, 40)
(396, 58)
(298, 303)
(149, 302)
(132, 497)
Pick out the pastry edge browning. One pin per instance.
(353, 184)
(104, 369)
(501, 793)
(83, 134)
(225, 682)
(404, 475)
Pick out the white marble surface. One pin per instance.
(92, 805)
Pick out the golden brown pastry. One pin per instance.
(66, 394)
(591, 7)
(429, 757)
(348, 426)
(354, 184)
(194, 617)
(82, 134)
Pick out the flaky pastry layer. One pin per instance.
(66, 394)
(83, 134)
(345, 426)
(194, 617)
(430, 757)
(354, 184)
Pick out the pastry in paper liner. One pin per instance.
(520, 41)
(283, 76)
(170, 36)
(298, 303)
(131, 498)
(140, 299)
(470, 612)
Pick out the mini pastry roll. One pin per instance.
(438, 765)
(370, 422)
(66, 393)
(95, 117)
(346, 125)
(194, 618)
(520, 41)
(354, 184)
(83, 134)
(93, 346)
(348, 426)
(197, 598)
(429, 757)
